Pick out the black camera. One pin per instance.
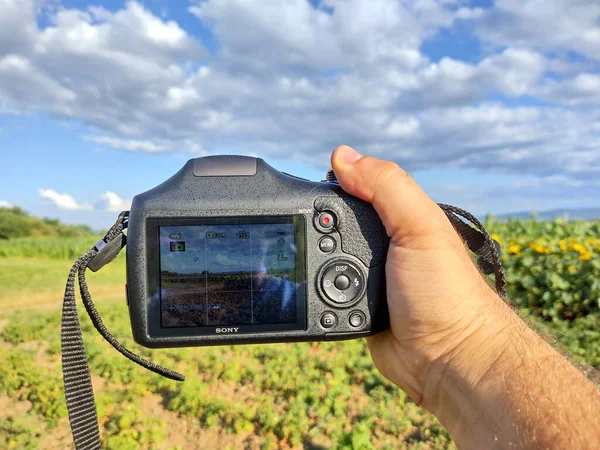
(230, 250)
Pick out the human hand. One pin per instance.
(454, 345)
(438, 301)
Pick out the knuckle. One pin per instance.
(386, 171)
(389, 177)
(371, 176)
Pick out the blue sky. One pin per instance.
(491, 105)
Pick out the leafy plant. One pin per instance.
(320, 395)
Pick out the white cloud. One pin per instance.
(114, 203)
(514, 72)
(109, 201)
(582, 89)
(150, 29)
(64, 201)
(565, 25)
(293, 34)
(469, 13)
(292, 81)
(17, 26)
(147, 146)
(402, 128)
(5, 204)
(132, 145)
(29, 85)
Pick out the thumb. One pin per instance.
(402, 205)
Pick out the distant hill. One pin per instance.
(14, 222)
(568, 214)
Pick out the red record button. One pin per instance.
(326, 220)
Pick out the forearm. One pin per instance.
(505, 387)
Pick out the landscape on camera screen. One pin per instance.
(242, 274)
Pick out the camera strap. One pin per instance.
(479, 241)
(79, 393)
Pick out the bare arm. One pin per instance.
(503, 386)
(453, 345)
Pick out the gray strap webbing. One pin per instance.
(79, 392)
(479, 241)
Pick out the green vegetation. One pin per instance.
(39, 283)
(552, 268)
(67, 248)
(281, 396)
(14, 223)
(32, 237)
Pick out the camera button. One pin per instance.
(326, 220)
(327, 244)
(357, 319)
(328, 320)
(342, 282)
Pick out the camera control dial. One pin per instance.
(342, 282)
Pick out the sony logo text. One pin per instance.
(227, 330)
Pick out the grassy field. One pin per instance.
(318, 396)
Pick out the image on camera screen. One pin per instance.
(230, 274)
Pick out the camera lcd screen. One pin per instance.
(232, 272)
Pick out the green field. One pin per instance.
(319, 396)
